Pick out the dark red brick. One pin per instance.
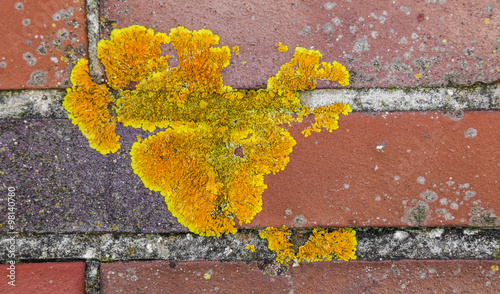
(407, 276)
(431, 171)
(382, 43)
(41, 40)
(49, 277)
(332, 179)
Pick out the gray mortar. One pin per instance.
(373, 245)
(436, 243)
(32, 104)
(122, 247)
(483, 97)
(96, 69)
(92, 277)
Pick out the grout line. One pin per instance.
(373, 245)
(476, 97)
(92, 277)
(96, 69)
(48, 103)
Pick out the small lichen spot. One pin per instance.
(469, 194)
(300, 220)
(250, 247)
(282, 47)
(429, 196)
(38, 78)
(470, 133)
(236, 50)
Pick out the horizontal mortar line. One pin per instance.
(374, 244)
(48, 102)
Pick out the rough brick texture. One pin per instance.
(41, 40)
(322, 277)
(389, 169)
(382, 44)
(48, 277)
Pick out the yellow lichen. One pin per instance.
(321, 246)
(236, 50)
(277, 240)
(282, 47)
(131, 55)
(216, 143)
(250, 247)
(327, 117)
(86, 103)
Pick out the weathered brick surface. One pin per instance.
(49, 277)
(41, 39)
(431, 169)
(63, 185)
(382, 44)
(391, 169)
(322, 277)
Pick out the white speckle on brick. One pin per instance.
(329, 5)
(470, 133)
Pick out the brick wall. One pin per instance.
(414, 169)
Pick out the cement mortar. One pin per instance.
(373, 245)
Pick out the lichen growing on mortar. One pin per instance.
(321, 246)
(216, 142)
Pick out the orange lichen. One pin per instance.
(236, 50)
(321, 246)
(277, 240)
(87, 103)
(131, 55)
(250, 247)
(282, 47)
(217, 143)
(327, 117)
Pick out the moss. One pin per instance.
(217, 143)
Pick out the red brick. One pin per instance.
(383, 44)
(34, 46)
(452, 276)
(341, 179)
(49, 277)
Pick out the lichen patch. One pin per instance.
(216, 142)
